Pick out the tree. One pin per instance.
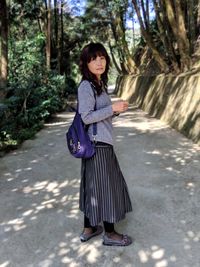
(144, 27)
(177, 29)
(56, 22)
(4, 48)
(110, 24)
(117, 24)
(177, 23)
(60, 36)
(165, 34)
(48, 34)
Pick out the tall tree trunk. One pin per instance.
(62, 34)
(56, 22)
(198, 17)
(120, 55)
(197, 45)
(122, 44)
(39, 25)
(147, 36)
(127, 64)
(133, 29)
(114, 59)
(145, 13)
(4, 48)
(60, 37)
(191, 24)
(164, 34)
(176, 20)
(48, 36)
(183, 39)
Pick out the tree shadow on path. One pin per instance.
(40, 221)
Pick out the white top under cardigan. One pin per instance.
(102, 115)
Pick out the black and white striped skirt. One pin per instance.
(103, 191)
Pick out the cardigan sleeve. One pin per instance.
(86, 102)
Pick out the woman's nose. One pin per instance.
(98, 61)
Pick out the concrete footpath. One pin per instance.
(40, 221)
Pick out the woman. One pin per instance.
(103, 191)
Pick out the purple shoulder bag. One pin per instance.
(78, 141)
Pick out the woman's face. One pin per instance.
(97, 66)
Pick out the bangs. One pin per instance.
(96, 51)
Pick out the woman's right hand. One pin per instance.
(120, 106)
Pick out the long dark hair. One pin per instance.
(89, 52)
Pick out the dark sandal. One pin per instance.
(86, 237)
(125, 241)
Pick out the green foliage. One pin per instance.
(30, 9)
(33, 93)
(6, 141)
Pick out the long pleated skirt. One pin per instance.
(103, 191)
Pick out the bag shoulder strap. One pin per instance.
(94, 124)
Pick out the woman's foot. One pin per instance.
(114, 235)
(116, 239)
(90, 232)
